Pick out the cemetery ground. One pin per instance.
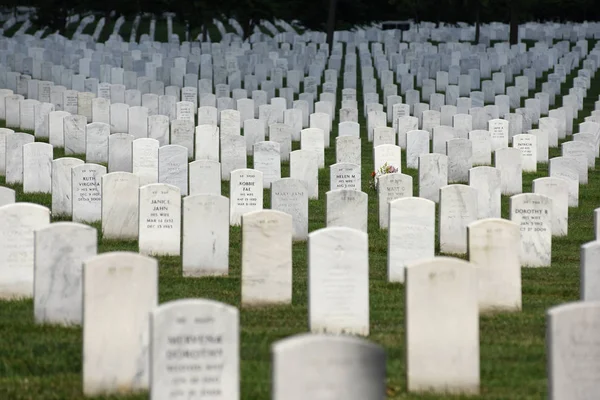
(45, 362)
(161, 34)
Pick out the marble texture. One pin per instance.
(266, 258)
(441, 296)
(133, 98)
(74, 134)
(508, 161)
(14, 143)
(3, 133)
(406, 124)
(41, 112)
(542, 149)
(411, 234)
(557, 189)
(590, 282)
(182, 133)
(460, 159)
(206, 115)
(230, 122)
(591, 145)
(84, 104)
(159, 220)
(313, 139)
(207, 142)
(433, 175)
(304, 166)
(345, 176)
(138, 122)
(13, 110)
(374, 120)
(96, 142)
(19, 221)
(282, 134)
(56, 132)
(338, 283)
(527, 144)
(3, 94)
(387, 153)
(61, 185)
(533, 213)
(60, 249)
(583, 153)
(489, 192)
(27, 115)
(391, 187)
(463, 124)
(494, 245)
(205, 177)
(290, 196)
(150, 101)
(342, 367)
(120, 152)
(86, 195)
(349, 128)
(348, 150)
(293, 118)
(254, 132)
(115, 323)
(166, 106)
(482, 147)
(246, 108)
(145, 160)
(498, 129)
(568, 169)
(571, 338)
(7, 196)
(431, 119)
(347, 208)
(551, 126)
(101, 110)
(267, 159)
(37, 167)
(233, 155)
(441, 135)
(120, 206)
(158, 128)
(205, 247)
(119, 118)
(173, 167)
(516, 124)
(245, 194)
(458, 208)
(417, 143)
(321, 120)
(197, 326)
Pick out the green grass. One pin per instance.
(45, 362)
(13, 29)
(108, 29)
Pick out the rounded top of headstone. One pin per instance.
(67, 225)
(300, 340)
(575, 306)
(338, 231)
(194, 304)
(121, 258)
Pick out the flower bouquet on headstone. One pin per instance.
(384, 169)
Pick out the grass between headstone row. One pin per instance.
(45, 362)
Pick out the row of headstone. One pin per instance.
(526, 210)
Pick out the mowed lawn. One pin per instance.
(45, 362)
